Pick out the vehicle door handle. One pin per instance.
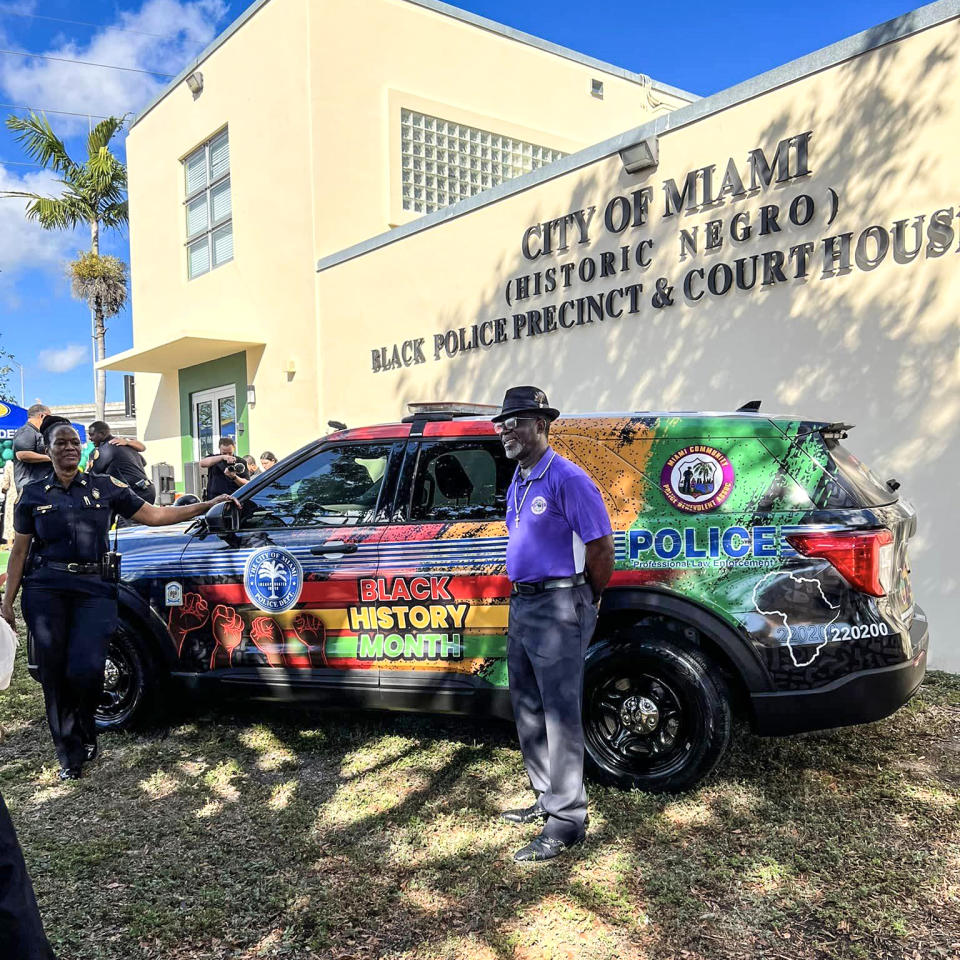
(334, 546)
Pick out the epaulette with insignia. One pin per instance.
(119, 483)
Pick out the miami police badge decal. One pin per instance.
(697, 478)
(272, 579)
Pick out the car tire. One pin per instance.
(131, 682)
(656, 714)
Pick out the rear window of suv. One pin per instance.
(866, 486)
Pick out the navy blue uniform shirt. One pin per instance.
(72, 525)
(551, 516)
(121, 462)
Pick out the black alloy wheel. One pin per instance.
(127, 683)
(656, 715)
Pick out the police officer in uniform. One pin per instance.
(61, 555)
(119, 457)
(559, 560)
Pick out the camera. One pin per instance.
(238, 468)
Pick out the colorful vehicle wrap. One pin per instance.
(707, 510)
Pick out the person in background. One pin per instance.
(8, 487)
(119, 457)
(252, 468)
(267, 460)
(31, 460)
(61, 555)
(220, 478)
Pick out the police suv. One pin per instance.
(761, 570)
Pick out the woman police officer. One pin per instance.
(62, 525)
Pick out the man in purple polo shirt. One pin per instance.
(559, 560)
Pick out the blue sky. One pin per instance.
(696, 46)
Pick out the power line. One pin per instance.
(66, 113)
(86, 63)
(84, 23)
(18, 163)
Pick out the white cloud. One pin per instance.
(181, 29)
(64, 359)
(24, 244)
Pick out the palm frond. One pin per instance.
(101, 135)
(40, 143)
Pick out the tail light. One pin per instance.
(863, 558)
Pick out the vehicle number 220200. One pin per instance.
(858, 631)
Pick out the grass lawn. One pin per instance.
(264, 833)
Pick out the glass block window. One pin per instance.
(443, 162)
(209, 224)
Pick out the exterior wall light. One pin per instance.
(251, 394)
(641, 156)
(596, 89)
(195, 83)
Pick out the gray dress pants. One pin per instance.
(548, 637)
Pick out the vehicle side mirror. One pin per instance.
(223, 517)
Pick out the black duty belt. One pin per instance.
(83, 568)
(530, 587)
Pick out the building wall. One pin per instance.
(311, 93)
(874, 344)
(257, 85)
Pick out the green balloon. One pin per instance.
(7, 455)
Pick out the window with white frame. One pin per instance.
(443, 162)
(206, 175)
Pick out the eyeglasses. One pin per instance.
(510, 424)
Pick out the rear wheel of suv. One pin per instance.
(656, 715)
(130, 682)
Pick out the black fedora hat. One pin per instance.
(526, 400)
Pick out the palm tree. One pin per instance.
(94, 193)
(272, 572)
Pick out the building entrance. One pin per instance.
(214, 416)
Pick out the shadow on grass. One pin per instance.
(262, 832)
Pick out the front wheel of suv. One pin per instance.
(656, 715)
(130, 682)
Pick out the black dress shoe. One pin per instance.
(532, 814)
(90, 751)
(69, 773)
(544, 848)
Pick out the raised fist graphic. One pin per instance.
(312, 634)
(191, 616)
(267, 636)
(228, 632)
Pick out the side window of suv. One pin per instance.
(339, 486)
(460, 480)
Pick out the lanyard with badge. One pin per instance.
(518, 507)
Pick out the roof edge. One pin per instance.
(494, 26)
(931, 15)
(447, 10)
(218, 41)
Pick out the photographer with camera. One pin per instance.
(227, 471)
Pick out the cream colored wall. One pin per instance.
(308, 90)
(878, 348)
(389, 53)
(256, 84)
